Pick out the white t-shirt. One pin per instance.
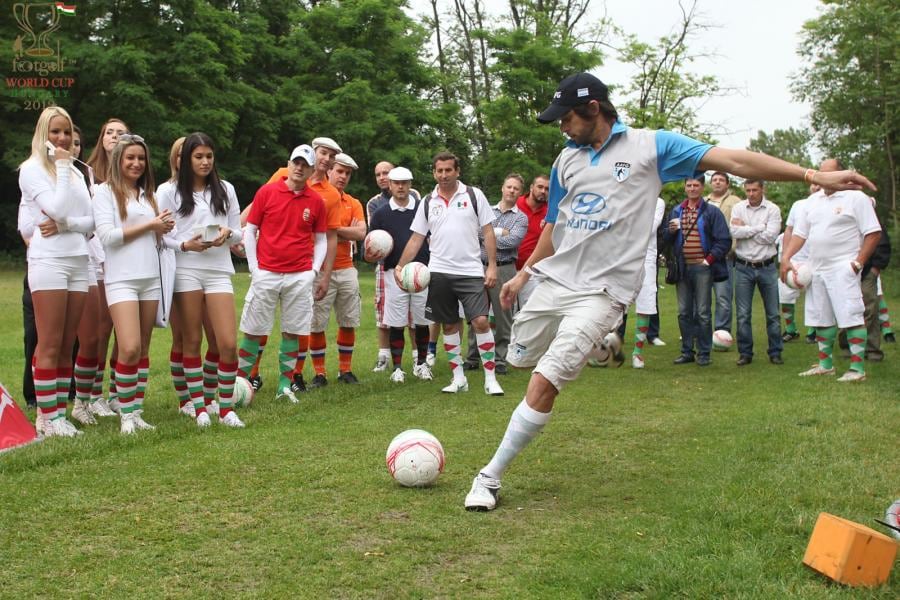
(797, 209)
(834, 226)
(652, 250)
(215, 258)
(136, 259)
(454, 228)
(65, 199)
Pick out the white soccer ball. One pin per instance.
(243, 392)
(801, 278)
(415, 458)
(377, 245)
(414, 277)
(892, 518)
(722, 340)
(608, 353)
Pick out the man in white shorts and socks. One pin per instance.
(454, 213)
(590, 257)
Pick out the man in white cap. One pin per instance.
(343, 290)
(285, 243)
(603, 190)
(396, 217)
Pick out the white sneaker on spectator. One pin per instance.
(100, 408)
(128, 425)
(231, 420)
(59, 428)
(483, 495)
(82, 414)
(852, 375)
(817, 370)
(637, 362)
(381, 363)
(658, 342)
(430, 358)
(114, 406)
(492, 388)
(398, 376)
(188, 410)
(288, 394)
(456, 387)
(69, 426)
(140, 423)
(203, 420)
(423, 372)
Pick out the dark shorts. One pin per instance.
(446, 292)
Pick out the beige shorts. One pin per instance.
(557, 329)
(295, 293)
(834, 297)
(343, 295)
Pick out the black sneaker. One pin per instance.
(889, 338)
(348, 377)
(299, 385)
(811, 338)
(256, 383)
(789, 336)
(319, 381)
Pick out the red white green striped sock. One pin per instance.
(210, 379)
(85, 374)
(143, 377)
(787, 311)
(113, 391)
(825, 338)
(640, 334)
(247, 354)
(63, 381)
(126, 386)
(227, 373)
(856, 338)
(45, 391)
(486, 349)
(97, 388)
(193, 376)
(176, 370)
(454, 355)
(288, 359)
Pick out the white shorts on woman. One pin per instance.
(133, 290)
(207, 280)
(58, 273)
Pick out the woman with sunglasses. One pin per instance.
(59, 203)
(130, 226)
(207, 217)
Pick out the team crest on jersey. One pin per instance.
(437, 209)
(622, 170)
(306, 215)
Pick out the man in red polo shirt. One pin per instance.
(284, 257)
(534, 206)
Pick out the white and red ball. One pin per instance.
(414, 277)
(415, 458)
(243, 392)
(722, 340)
(377, 245)
(799, 277)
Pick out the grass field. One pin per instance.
(668, 482)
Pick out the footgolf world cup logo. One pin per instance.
(38, 67)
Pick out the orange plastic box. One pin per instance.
(849, 553)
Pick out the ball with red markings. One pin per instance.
(414, 277)
(377, 245)
(415, 458)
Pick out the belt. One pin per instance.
(500, 263)
(755, 265)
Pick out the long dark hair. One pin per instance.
(186, 178)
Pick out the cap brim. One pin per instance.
(552, 113)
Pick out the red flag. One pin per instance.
(15, 428)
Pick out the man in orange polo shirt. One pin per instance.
(343, 289)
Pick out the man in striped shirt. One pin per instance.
(701, 240)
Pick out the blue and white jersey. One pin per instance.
(602, 204)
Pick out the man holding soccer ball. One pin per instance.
(603, 190)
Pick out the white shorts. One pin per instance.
(787, 295)
(92, 274)
(527, 290)
(878, 289)
(343, 295)
(645, 303)
(399, 305)
(558, 329)
(207, 280)
(58, 273)
(293, 290)
(834, 297)
(133, 290)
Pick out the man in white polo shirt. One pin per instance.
(454, 213)
(755, 225)
(842, 231)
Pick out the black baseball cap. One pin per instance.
(574, 90)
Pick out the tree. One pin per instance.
(792, 145)
(852, 82)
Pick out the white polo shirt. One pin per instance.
(454, 228)
(834, 227)
(797, 209)
(136, 259)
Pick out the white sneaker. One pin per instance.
(398, 376)
(658, 342)
(82, 414)
(817, 370)
(456, 386)
(59, 428)
(67, 424)
(188, 410)
(287, 393)
(114, 406)
(381, 363)
(140, 423)
(39, 422)
(492, 388)
(483, 495)
(231, 420)
(852, 376)
(430, 358)
(637, 362)
(213, 408)
(423, 372)
(203, 420)
(100, 408)
(128, 425)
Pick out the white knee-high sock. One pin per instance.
(454, 355)
(524, 425)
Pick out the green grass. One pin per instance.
(661, 483)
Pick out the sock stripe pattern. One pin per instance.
(176, 370)
(487, 351)
(45, 391)
(210, 376)
(227, 373)
(317, 345)
(193, 377)
(787, 311)
(640, 334)
(63, 380)
(97, 389)
(126, 386)
(248, 353)
(825, 340)
(856, 338)
(254, 371)
(346, 340)
(454, 355)
(113, 392)
(288, 359)
(143, 377)
(85, 374)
